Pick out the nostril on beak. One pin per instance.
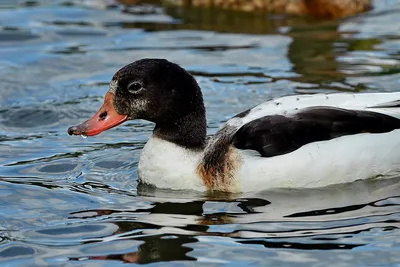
(102, 116)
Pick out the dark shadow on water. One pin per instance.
(245, 206)
(11, 34)
(154, 249)
(302, 246)
(338, 210)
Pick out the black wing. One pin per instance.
(278, 134)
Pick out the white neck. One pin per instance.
(167, 165)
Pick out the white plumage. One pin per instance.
(340, 160)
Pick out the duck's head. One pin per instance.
(155, 90)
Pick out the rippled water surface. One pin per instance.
(69, 201)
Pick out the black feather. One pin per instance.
(278, 134)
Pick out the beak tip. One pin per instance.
(72, 130)
(105, 118)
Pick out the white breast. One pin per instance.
(167, 165)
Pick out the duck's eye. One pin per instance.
(134, 87)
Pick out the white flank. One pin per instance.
(340, 160)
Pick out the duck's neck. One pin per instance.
(187, 131)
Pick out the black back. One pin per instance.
(277, 134)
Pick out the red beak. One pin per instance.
(106, 118)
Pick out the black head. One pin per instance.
(158, 91)
(155, 90)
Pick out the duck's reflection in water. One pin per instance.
(334, 218)
(155, 249)
(161, 242)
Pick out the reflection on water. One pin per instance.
(74, 201)
(291, 222)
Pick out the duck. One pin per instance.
(295, 141)
(327, 9)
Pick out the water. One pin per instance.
(69, 201)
